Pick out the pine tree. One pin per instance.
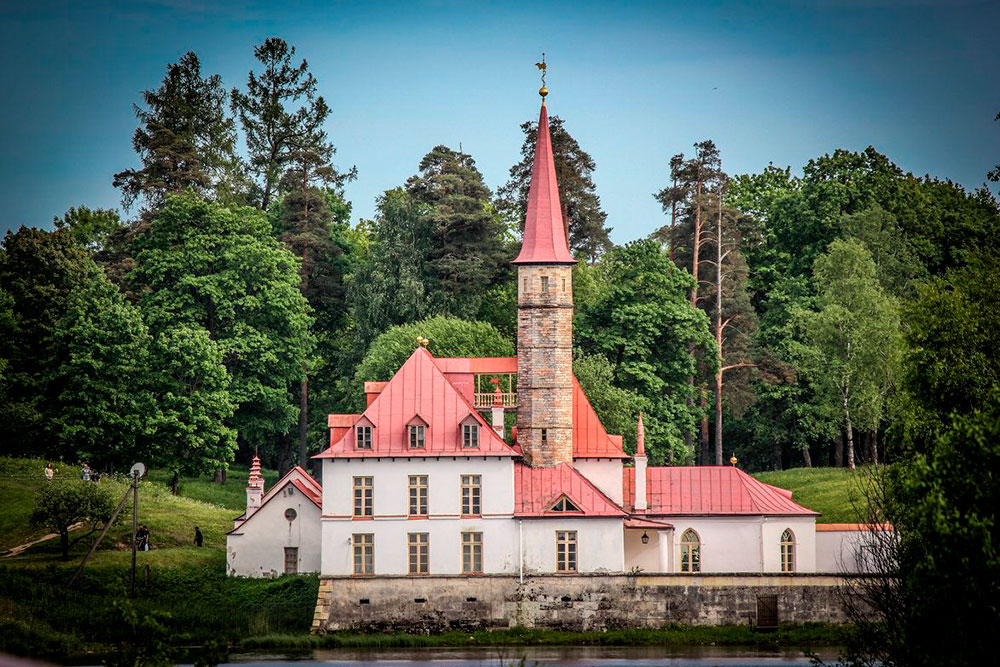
(185, 139)
(282, 118)
(467, 248)
(581, 207)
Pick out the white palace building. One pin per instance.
(425, 483)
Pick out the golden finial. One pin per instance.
(422, 342)
(734, 460)
(543, 91)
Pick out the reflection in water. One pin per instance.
(568, 656)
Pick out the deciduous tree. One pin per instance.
(191, 384)
(60, 506)
(851, 343)
(221, 269)
(643, 323)
(101, 381)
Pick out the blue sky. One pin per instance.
(636, 82)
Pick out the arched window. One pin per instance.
(690, 551)
(787, 551)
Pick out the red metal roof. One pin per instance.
(704, 490)
(590, 440)
(309, 492)
(537, 489)
(419, 388)
(489, 365)
(647, 524)
(544, 240)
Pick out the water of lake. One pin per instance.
(565, 656)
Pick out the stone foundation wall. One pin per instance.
(601, 602)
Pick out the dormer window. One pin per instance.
(470, 432)
(364, 434)
(470, 436)
(564, 504)
(416, 432)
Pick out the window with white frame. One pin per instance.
(417, 432)
(364, 437)
(470, 436)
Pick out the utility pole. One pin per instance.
(135, 527)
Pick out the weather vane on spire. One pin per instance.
(543, 91)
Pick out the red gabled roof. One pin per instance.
(419, 388)
(590, 440)
(301, 480)
(544, 240)
(537, 489)
(708, 490)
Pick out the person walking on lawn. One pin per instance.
(198, 537)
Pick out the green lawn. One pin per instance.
(830, 491)
(231, 495)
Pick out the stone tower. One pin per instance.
(545, 317)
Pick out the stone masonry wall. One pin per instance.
(433, 604)
(545, 363)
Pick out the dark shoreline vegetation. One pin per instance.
(196, 612)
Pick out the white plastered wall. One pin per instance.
(605, 474)
(738, 544)
(841, 550)
(600, 544)
(444, 523)
(648, 557)
(257, 547)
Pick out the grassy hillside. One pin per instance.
(170, 519)
(187, 591)
(831, 491)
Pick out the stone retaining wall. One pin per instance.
(600, 602)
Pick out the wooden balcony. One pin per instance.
(485, 400)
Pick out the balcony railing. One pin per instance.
(485, 399)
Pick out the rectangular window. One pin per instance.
(364, 553)
(416, 436)
(472, 553)
(419, 553)
(291, 560)
(471, 495)
(470, 436)
(545, 284)
(364, 496)
(565, 551)
(364, 437)
(418, 495)
(545, 435)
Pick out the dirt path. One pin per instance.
(27, 545)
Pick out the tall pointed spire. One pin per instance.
(544, 232)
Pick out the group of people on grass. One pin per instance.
(142, 542)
